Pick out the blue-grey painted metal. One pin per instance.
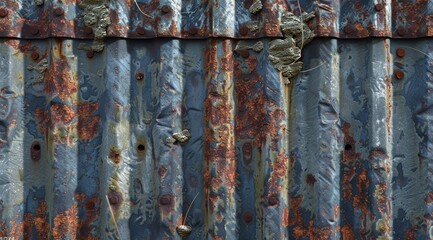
(343, 152)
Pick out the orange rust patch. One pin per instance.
(411, 233)
(87, 124)
(429, 198)
(285, 217)
(3, 228)
(59, 80)
(60, 113)
(347, 232)
(279, 172)
(382, 200)
(66, 223)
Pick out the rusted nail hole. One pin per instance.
(34, 31)
(243, 30)
(165, 9)
(273, 200)
(245, 54)
(166, 200)
(348, 29)
(401, 31)
(311, 180)
(88, 30)
(35, 152)
(35, 55)
(348, 147)
(139, 76)
(140, 147)
(58, 12)
(401, 52)
(248, 216)
(115, 199)
(378, 7)
(140, 31)
(3, 12)
(90, 54)
(399, 74)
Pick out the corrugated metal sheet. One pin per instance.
(115, 143)
(342, 153)
(201, 19)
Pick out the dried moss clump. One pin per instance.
(285, 53)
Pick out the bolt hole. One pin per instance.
(348, 147)
(140, 147)
(36, 147)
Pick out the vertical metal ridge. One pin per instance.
(377, 160)
(168, 117)
(115, 181)
(220, 158)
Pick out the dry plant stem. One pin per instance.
(139, 9)
(419, 51)
(311, 69)
(189, 208)
(112, 217)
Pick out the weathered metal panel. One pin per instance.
(201, 19)
(343, 152)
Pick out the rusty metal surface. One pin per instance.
(343, 152)
(34, 19)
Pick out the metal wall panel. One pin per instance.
(343, 152)
(201, 19)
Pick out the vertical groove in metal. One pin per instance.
(219, 149)
(342, 152)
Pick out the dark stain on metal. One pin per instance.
(34, 31)
(90, 54)
(247, 151)
(311, 180)
(35, 55)
(35, 151)
(3, 12)
(162, 171)
(88, 30)
(244, 53)
(400, 52)
(141, 31)
(166, 200)
(115, 199)
(193, 31)
(248, 216)
(59, 12)
(378, 7)
(401, 31)
(348, 29)
(243, 30)
(399, 74)
(165, 9)
(139, 76)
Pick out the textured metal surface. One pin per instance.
(202, 19)
(343, 152)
